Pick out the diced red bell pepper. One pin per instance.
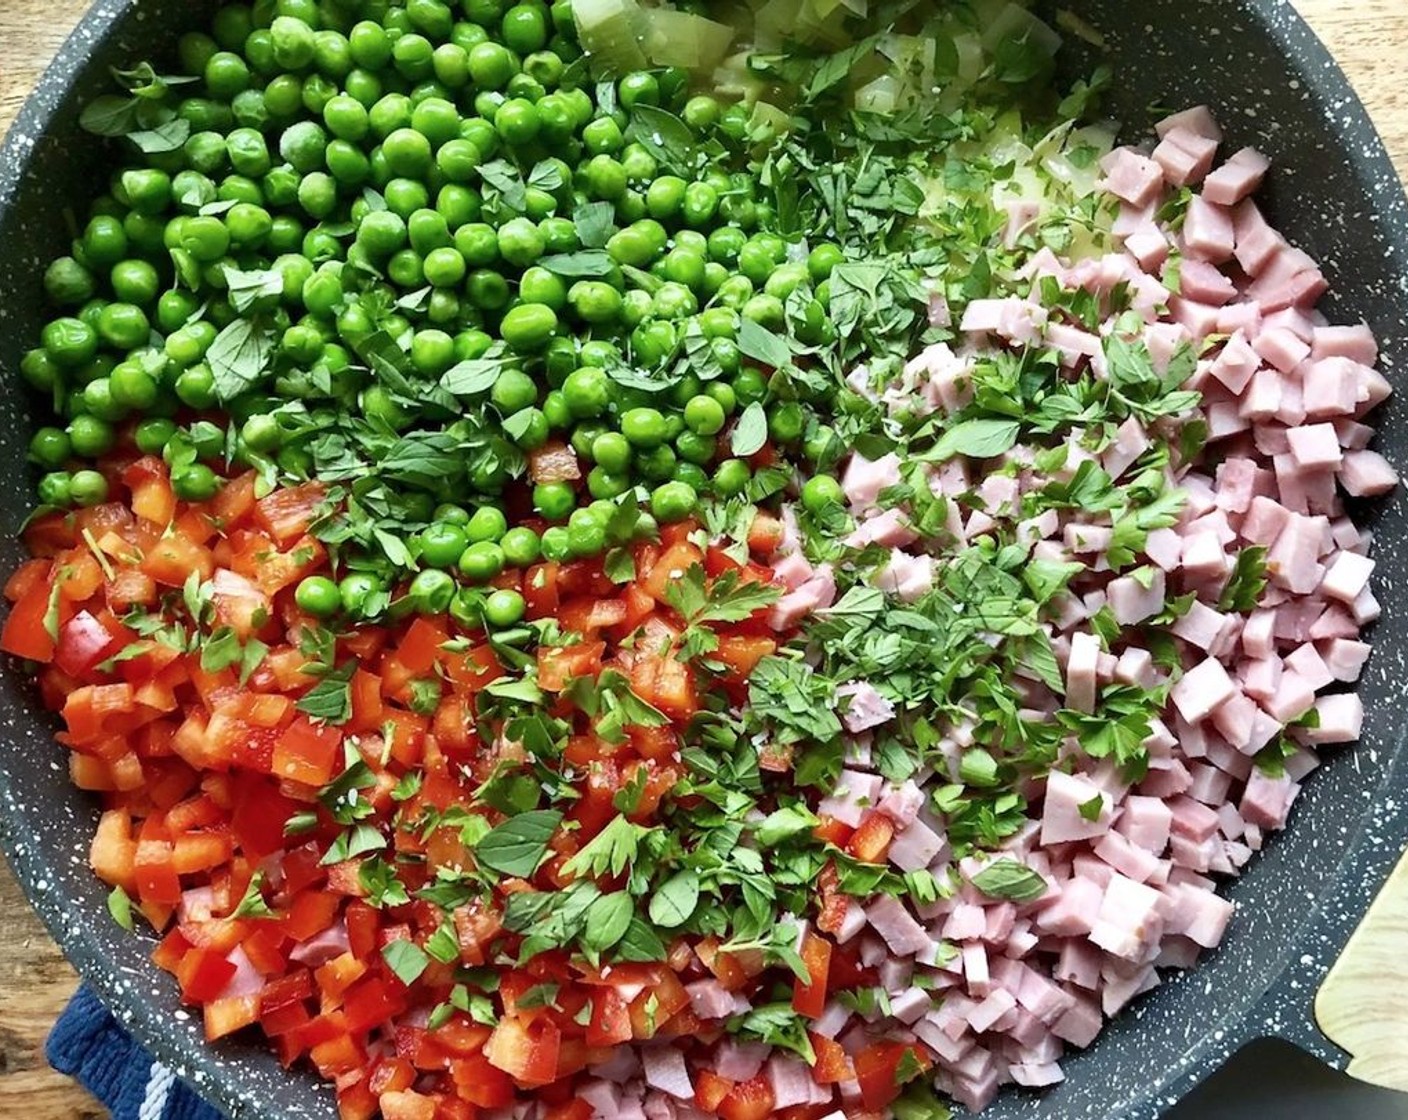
(560, 666)
(610, 1023)
(674, 562)
(749, 1100)
(871, 841)
(809, 998)
(525, 1049)
(307, 753)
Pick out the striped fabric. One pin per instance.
(89, 1044)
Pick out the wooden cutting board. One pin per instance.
(1369, 37)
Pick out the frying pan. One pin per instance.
(1334, 193)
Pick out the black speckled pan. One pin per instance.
(1336, 195)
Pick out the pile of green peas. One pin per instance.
(431, 173)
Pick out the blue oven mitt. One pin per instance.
(89, 1044)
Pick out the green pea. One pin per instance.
(528, 327)
(664, 198)
(195, 483)
(731, 477)
(442, 543)
(355, 590)
(587, 392)
(153, 435)
(520, 242)
(643, 427)
(705, 415)
(605, 178)
(556, 543)
(702, 112)
(491, 65)
(822, 492)
(673, 501)
(787, 423)
(602, 483)
(40, 371)
(556, 411)
(88, 488)
(431, 591)
(517, 122)
(554, 500)
(413, 57)
(481, 561)
(674, 300)
(68, 283)
(504, 608)
(124, 326)
(487, 290)
(50, 447)
(69, 342)
(612, 451)
(196, 387)
(292, 40)
(727, 354)
(766, 310)
(104, 241)
(559, 235)
(652, 343)
(382, 233)
(91, 436)
(595, 301)
(822, 260)
(639, 88)
(520, 547)
(701, 203)
(56, 489)
(318, 596)
(132, 387)
(639, 164)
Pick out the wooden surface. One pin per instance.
(1369, 37)
(1351, 1006)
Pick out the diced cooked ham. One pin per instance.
(1341, 719)
(1267, 801)
(665, 1070)
(864, 479)
(906, 576)
(1131, 176)
(890, 528)
(1367, 474)
(740, 1061)
(1129, 919)
(856, 792)
(902, 933)
(709, 999)
(1081, 672)
(1062, 819)
(816, 593)
(1017, 320)
(1146, 821)
(862, 706)
(1208, 232)
(916, 847)
(323, 947)
(1240, 177)
(1185, 156)
(791, 1081)
(1202, 689)
(1199, 121)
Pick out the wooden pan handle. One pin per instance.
(1363, 1004)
